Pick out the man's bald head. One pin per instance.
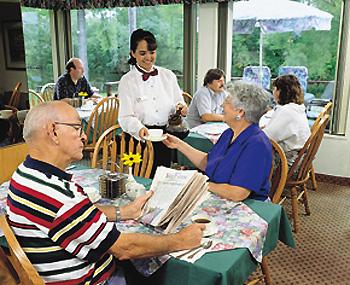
(75, 68)
(42, 114)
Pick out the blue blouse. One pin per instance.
(246, 162)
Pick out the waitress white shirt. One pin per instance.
(147, 102)
(289, 127)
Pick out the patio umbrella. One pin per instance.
(277, 16)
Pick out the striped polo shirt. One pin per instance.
(63, 234)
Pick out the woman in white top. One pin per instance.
(288, 124)
(148, 94)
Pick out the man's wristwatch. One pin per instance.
(117, 214)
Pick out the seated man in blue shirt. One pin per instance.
(206, 105)
(70, 84)
(239, 164)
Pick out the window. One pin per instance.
(38, 51)
(316, 50)
(101, 39)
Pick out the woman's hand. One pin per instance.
(143, 132)
(183, 108)
(172, 141)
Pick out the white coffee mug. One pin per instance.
(207, 221)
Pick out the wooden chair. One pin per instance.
(16, 262)
(10, 157)
(326, 111)
(187, 98)
(47, 92)
(278, 174)
(104, 116)
(16, 96)
(298, 174)
(112, 145)
(278, 178)
(34, 98)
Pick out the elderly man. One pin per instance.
(67, 238)
(206, 105)
(73, 82)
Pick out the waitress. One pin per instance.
(148, 95)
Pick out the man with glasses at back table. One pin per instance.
(69, 239)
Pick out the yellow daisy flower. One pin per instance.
(82, 94)
(130, 159)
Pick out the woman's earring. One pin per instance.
(237, 118)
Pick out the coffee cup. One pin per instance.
(207, 221)
(155, 133)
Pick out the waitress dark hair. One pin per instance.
(137, 36)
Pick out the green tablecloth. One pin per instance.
(197, 141)
(230, 266)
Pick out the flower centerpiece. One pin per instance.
(83, 94)
(132, 188)
(130, 159)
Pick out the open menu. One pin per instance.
(176, 195)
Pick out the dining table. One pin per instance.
(232, 266)
(203, 138)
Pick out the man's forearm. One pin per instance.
(134, 245)
(126, 213)
(209, 117)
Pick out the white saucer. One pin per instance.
(155, 139)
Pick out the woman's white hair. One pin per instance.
(38, 117)
(250, 97)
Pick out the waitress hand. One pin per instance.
(143, 132)
(183, 108)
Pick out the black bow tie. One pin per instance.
(146, 75)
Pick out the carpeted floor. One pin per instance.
(322, 255)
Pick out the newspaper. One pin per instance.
(176, 195)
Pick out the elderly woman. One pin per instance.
(288, 124)
(239, 164)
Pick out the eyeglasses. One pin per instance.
(77, 127)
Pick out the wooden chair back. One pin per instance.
(16, 262)
(110, 148)
(34, 98)
(47, 92)
(187, 98)
(104, 116)
(302, 165)
(10, 157)
(278, 174)
(326, 111)
(16, 96)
